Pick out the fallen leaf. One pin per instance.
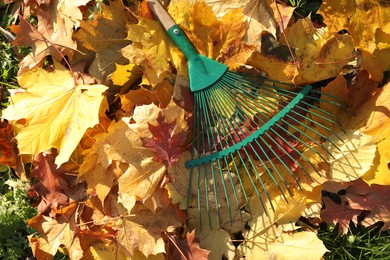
(141, 230)
(152, 51)
(371, 107)
(51, 186)
(189, 248)
(339, 214)
(165, 143)
(368, 24)
(258, 16)
(298, 245)
(56, 111)
(51, 37)
(375, 199)
(106, 35)
(125, 75)
(380, 171)
(350, 154)
(56, 232)
(8, 147)
(316, 56)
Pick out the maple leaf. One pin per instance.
(188, 248)
(317, 56)
(56, 111)
(152, 50)
(160, 95)
(218, 39)
(96, 176)
(379, 174)
(106, 35)
(167, 145)
(266, 238)
(56, 232)
(369, 105)
(51, 37)
(258, 16)
(141, 230)
(368, 25)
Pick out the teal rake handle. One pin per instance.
(276, 118)
(202, 71)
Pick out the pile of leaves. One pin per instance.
(104, 115)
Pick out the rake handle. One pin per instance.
(173, 30)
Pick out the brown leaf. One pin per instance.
(51, 184)
(105, 35)
(55, 232)
(141, 230)
(51, 37)
(188, 248)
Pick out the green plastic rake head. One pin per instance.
(248, 131)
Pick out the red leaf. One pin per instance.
(8, 148)
(339, 213)
(189, 248)
(374, 198)
(165, 143)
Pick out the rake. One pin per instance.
(247, 129)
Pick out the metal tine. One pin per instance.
(230, 96)
(237, 125)
(286, 142)
(210, 143)
(216, 101)
(314, 122)
(209, 97)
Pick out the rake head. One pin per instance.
(248, 132)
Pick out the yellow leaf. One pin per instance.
(371, 114)
(296, 246)
(106, 251)
(351, 155)
(258, 17)
(319, 55)
(368, 23)
(380, 172)
(152, 50)
(125, 75)
(56, 232)
(142, 230)
(56, 111)
(106, 35)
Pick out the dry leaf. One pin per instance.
(141, 230)
(350, 154)
(56, 112)
(368, 23)
(188, 248)
(51, 37)
(56, 232)
(106, 35)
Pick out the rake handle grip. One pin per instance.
(159, 11)
(173, 30)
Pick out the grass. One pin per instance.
(359, 243)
